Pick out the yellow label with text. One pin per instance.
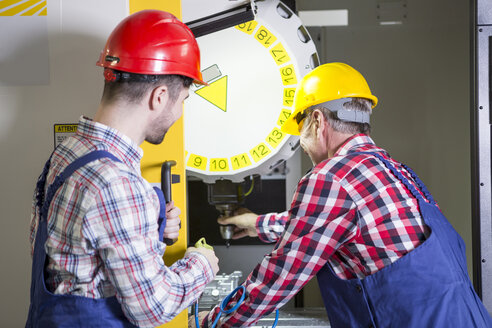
(247, 27)
(65, 128)
(219, 164)
(275, 137)
(240, 161)
(198, 162)
(259, 152)
(288, 75)
(279, 54)
(265, 37)
(284, 115)
(289, 94)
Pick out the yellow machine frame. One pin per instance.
(171, 149)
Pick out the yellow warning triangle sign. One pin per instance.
(215, 93)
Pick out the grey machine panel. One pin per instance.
(482, 166)
(484, 12)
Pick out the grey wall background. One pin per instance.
(28, 109)
(420, 71)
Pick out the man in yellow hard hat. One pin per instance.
(362, 222)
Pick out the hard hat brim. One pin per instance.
(290, 125)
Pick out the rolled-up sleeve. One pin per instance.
(321, 218)
(122, 228)
(271, 226)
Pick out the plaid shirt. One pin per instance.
(349, 212)
(102, 233)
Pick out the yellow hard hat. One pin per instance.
(324, 83)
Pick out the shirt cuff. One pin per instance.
(203, 262)
(263, 228)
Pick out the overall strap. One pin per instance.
(162, 213)
(44, 201)
(405, 181)
(41, 183)
(421, 185)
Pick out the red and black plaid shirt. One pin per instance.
(350, 211)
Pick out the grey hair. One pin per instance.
(356, 104)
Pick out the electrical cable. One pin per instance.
(223, 305)
(251, 187)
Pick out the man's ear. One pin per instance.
(319, 123)
(159, 97)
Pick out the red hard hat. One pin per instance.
(153, 42)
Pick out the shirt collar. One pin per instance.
(357, 142)
(119, 144)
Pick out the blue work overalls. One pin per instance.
(428, 287)
(71, 311)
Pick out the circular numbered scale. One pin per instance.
(232, 126)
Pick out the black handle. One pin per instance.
(166, 181)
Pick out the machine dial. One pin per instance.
(232, 126)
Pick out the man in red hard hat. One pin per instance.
(97, 226)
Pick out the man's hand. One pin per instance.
(173, 222)
(244, 221)
(209, 254)
(191, 319)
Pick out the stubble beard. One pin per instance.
(157, 133)
(156, 139)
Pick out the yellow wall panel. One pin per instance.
(171, 149)
(171, 6)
